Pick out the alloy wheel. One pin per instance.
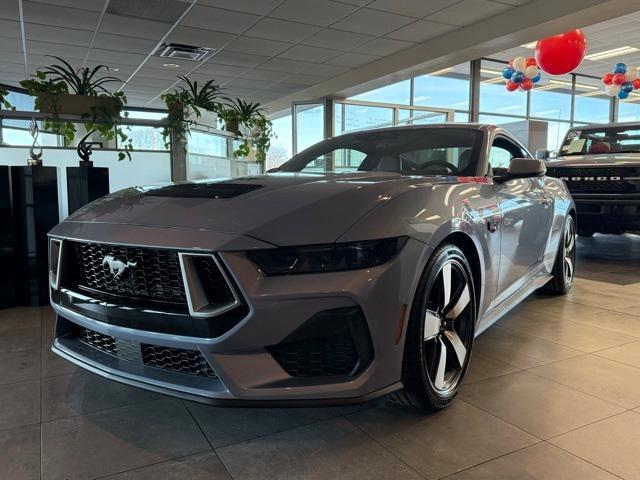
(569, 251)
(448, 327)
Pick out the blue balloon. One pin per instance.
(507, 72)
(626, 87)
(620, 68)
(536, 79)
(622, 94)
(517, 77)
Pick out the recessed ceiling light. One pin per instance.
(611, 53)
(113, 69)
(171, 65)
(530, 44)
(490, 71)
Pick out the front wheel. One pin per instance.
(440, 332)
(564, 267)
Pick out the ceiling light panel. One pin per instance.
(167, 11)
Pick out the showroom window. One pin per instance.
(591, 104)
(447, 88)
(398, 93)
(282, 143)
(629, 110)
(494, 97)
(551, 98)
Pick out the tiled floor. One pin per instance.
(553, 393)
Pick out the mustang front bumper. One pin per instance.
(249, 366)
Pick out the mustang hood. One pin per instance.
(282, 209)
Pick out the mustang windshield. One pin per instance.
(601, 140)
(423, 151)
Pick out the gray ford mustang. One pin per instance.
(363, 266)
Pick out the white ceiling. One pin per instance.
(266, 49)
(618, 32)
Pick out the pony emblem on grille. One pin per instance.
(116, 267)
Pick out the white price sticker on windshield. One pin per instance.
(576, 145)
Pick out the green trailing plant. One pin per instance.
(193, 96)
(4, 93)
(257, 131)
(49, 83)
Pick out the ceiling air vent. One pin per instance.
(177, 51)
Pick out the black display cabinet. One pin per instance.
(35, 212)
(7, 259)
(85, 184)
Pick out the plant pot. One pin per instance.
(233, 126)
(70, 104)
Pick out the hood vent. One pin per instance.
(178, 51)
(204, 190)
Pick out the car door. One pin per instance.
(526, 213)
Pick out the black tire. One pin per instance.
(564, 266)
(432, 370)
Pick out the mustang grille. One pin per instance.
(151, 275)
(597, 179)
(190, 362)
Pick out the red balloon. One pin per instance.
(618, 79)
(607, 78)
(512, 86)
(562, 53)
(526, 84)
(531, 61)
(636, 83)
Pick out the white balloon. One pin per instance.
(612, 90)
(531, 71)
(632, 73)
(519, 64)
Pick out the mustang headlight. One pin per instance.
(327, 258)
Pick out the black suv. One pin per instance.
(601, 167)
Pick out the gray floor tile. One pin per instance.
(224, 426)
(23, 338)
(20, 317)
(201, 466)
(20, 453)
(537, 405)
(579, 336)
(615, 321)
(612, 444)
(20, 366)
(611, 381)
(481, 368)
(522, 351)
(628, 354)
(104, 443)
(83, 392)
(603, 299)
(324, 450)
(538, 462)
(556, 308)
(53, 365)
(19, 404)
(444, 442)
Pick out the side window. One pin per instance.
(502, 151)
(499, 157)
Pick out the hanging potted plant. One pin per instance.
(190, 106)
(60, 90)
(247, 122)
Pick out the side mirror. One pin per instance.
(522, 168)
